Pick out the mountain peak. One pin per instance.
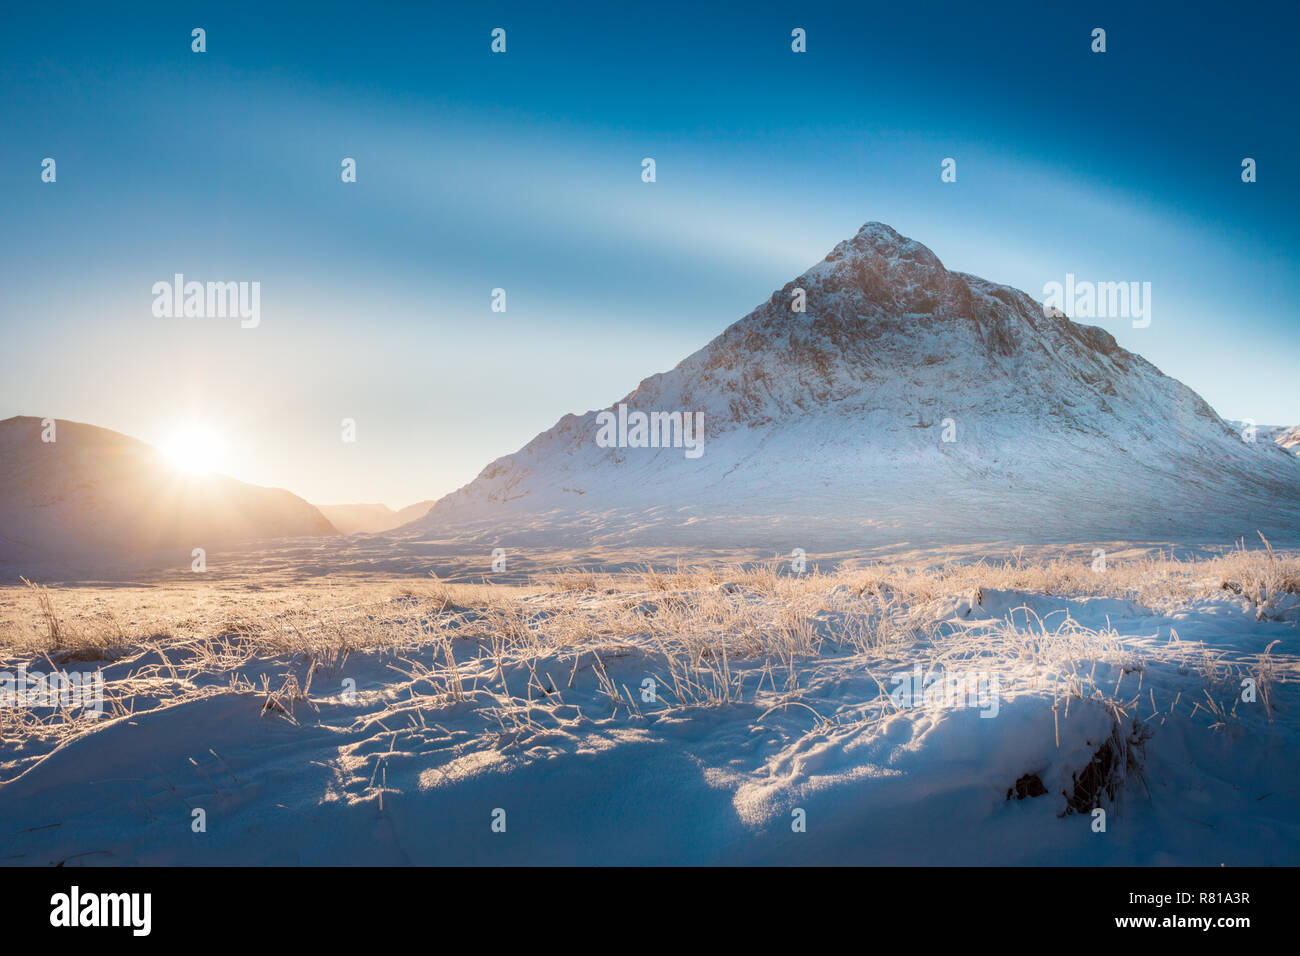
(882, 229)
(880, 240)
(879, 390)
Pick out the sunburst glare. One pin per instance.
(195, 449)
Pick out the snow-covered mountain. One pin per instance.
(1284, 436)
(905, 402)
(1287, 437)
(92, 491)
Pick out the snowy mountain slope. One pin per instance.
(372, 519)
(827, 427)
(95, 491)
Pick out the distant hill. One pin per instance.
(93, 491)
(371, 519)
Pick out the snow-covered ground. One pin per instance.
(714, 715)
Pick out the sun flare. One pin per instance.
(194, 449)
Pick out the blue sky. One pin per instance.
(522, 171)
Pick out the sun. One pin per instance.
(194, 449)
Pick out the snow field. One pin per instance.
(396, 722)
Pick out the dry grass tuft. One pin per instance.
(711, 636)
